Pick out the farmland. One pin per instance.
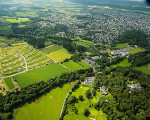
(9, 83)
(27, 14)
(60, 55)
(21, 57)
(76, 66)
(48, 107)
(43, 73)
(85, 43)
(53, 48)
(81, 105)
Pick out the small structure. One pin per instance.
(104, 91)
(135, 87)
(89, 62)
(95, 57)
(89, 81)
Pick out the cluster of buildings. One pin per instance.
(90, 62)
(120, 53)
(135, 87)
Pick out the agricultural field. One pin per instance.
(21, 57)
(51, 48)
(123, 63)
(14, 20)
(85, 43)
(136, 50)
(48, 107)
(119, 46)
(9, 83)
(148, 54)
(143, 69)
(81, 105)
(60, 55)
(76, 66)
(42, 73)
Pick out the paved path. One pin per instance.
(24, 62)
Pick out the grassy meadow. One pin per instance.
(136, 50)
(123, 63)
(43, 73)
(27, 14)
(76, 66)
(81, 105)
(9, 83)
(53, 48)
(122, 45)
(17, 20)
(85, 43)
(60, 55)
(48, 107)
(143, 69)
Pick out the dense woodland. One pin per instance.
(127, 103)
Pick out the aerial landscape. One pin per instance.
(74, 60)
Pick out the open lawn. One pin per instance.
(81, 105)
(85, 43)
(18, 20)
(76, 66)
(122, 45)
(143, 69)
(148, 54)
(60, 55)
(43, 73)
(123, 63)
(136, 50)
(51, 49)
(27, 14)
(48, 107)
(9, 83)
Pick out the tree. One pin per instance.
(81, 98)
(88, 94)
(86, 112)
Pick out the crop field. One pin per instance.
(12, 20)
(42, 73)
(21, 57)
(81, 105)
(119, 46)
(76, 66)
(123, 63)
(9, 83)
(60, 55)
(136, 50)
(143, 69)
(85, 43)
(48, 107)
(53, 48)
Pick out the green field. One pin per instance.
(9, 83)
(136, 50)
(18, 20)
(123, 63)
(60, 55)
(43, 73)
(122, 45)
(51, 49)
(76, 66)
(143, 69)
(81, 105)
(148, 54)
(85, 43)
(27, 14)
(48, 107)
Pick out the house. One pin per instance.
(95, 57)
(89, 81)
(89, 62)
(104, 91)
(135, 87)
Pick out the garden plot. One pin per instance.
(21, 57)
